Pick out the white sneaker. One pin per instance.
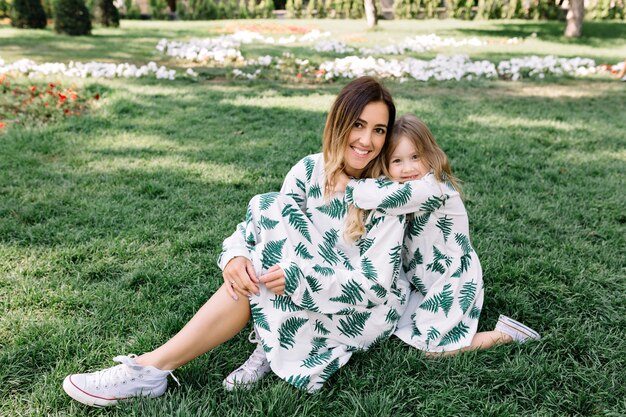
(518, 331)
(252, 370)
(108, 386)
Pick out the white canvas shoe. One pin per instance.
(518, 331)
(252, 370)
(120, 382)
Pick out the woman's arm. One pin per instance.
(393, 198)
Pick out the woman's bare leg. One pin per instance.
(481, 341)
(218, 320)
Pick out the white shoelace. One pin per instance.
(257, 359)
(120, 373)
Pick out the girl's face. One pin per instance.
(366, 138)
(404, 163)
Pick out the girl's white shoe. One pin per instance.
(252, 370)
(108, 386)
(518, 331)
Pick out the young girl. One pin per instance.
(438, 258)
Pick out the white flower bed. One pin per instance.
(333, 46)
(88, 69)
(420, 43)
(455, 67)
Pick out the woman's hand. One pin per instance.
(341, 181)
(274, 280)
(239, 277)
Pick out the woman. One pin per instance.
(314, 297)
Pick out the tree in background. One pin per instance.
(371, 14)
(575, 14)
(72, 18)
(28, 14)
(107, 14)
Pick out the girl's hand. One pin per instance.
(341, 181)
(274, 280)
(239, 277)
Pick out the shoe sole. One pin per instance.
(83, 397)
(519, 327)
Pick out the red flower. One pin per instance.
(97, 96)
(2, 125)
(51, 85)
(73, 96)
(66, 111)
(33, 88)
(62, 98)
(299, 75)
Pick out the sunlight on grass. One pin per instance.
(312, 103)
(523, 122)
(599, 157)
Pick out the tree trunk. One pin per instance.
(574, 19)
(370, 13)
(172, 5)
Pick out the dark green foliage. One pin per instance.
(353, 325)
(28, 14)
(72, 18)
(432, 334)
(107, 14)
(327, 249)
(288, 330)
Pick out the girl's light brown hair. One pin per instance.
(432, 156)
(344, 112)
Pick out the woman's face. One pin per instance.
(366, 139)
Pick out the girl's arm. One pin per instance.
(337, 285)
(393, 198)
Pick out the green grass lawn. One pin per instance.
(111, 224)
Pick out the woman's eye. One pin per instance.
(380, 131)
(358, 124)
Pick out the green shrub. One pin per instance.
(107, 14)
(72, 18)
(28, 14)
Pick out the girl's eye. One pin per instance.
(415, 157)
(395, 161)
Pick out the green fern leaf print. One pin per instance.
(418, 284)
(354, 324)
(455, 334)
(373, 221)
(371, 304)
(351, 293)
(474, 313)
(299, 381)
(251, 241)
(336, 209)
(380, 291)
(328, 254)
(300, 184)
(284, 303)
(368, 269)
(267, 223)
(320, 328)
(272, 253)
(464, 242)
(266, 200)
(349, 195)
(383, 182)
(315, 191)
(416, 225)
(297, 198)
(308, 303)
(317, 360)
(259, 318)
(365, 244)
(309, 164)
(331, 237)
(288, 330)
(323, 270)
(431, 334)
(436, 265)
(302, 251)
(330, 370)
(297, 220)
(398, 198)
(392, 316)
(266, 348)
(317, 344)
(465, 263)
(314, 284)
(346, 311)
(433, 203)
(382, 337)
(446, 298)
(415, 332)
(445, 225)
(416, 259)
(346, 261)
(431, 304)
(468, 292)
(395, 259)
(293, 277)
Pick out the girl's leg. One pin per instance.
(218, 320)
(481, 341)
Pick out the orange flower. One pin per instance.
(73, 96)
(33, 88)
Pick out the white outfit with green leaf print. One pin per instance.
(339, 297)
(438, 259)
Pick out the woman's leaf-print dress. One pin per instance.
(437, 259)
(339, 297)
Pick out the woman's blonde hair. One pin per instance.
(410, 127)
(343, 114)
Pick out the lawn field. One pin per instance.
(111, 223)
